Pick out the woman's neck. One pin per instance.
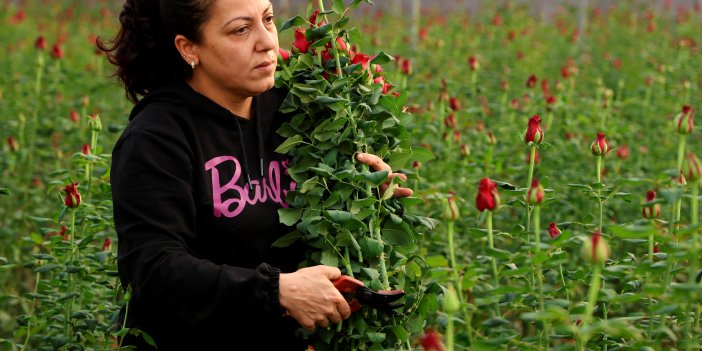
(240, 106)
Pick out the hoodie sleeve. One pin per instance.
(154, 213)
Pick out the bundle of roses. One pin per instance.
(341, 104)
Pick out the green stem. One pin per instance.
(31, 314)
(456, 279)
(539, 277)
(381, 259)
(496, 278)
(560, 267)
(600, 161)
(127, 298)
(529, 179)
(449, 333)
(681, 152)
(650, 245)
(592, 294)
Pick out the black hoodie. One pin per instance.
(196, 191)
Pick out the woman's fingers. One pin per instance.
(373, 161)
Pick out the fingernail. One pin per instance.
(359, 156)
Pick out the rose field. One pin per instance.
(553, 156)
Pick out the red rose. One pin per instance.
(40, 43)
(651, 211)
(301, 43)
(56, 52)
(85, 150)
(107, 245)
(313, 18)
(600, 147)
(692, 168)
(553, 230)
(473, 63)
(487, 198)
(284, 54)
(450, 121)
(596, 249)
(12, 143)
(623, 152)
(73, 198)
(454, 103)
(531, 81)
(684, 120)
(535, 194)
(406, 66)
(361, 58)
(431, 341)
(534, 133)
(74, 116)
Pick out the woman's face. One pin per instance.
(239, 49)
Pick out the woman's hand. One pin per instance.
(310, 297)
(377, 163)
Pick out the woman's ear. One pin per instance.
(187, 50)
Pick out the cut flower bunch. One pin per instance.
(341, 104)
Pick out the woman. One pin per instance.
(197, 185)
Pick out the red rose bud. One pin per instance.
(431, 341)
(692, 168)
(497, 20)
(504, 85)
(73, 198)
(488, 198)
(284, 54)
(553, 230)
(623, 152)
(107, 245)
(12, 144)
(416, 165)
(595, 250)
(656, 249)
(326, 56)
(535, 194)
(565, 72)
(600, 147)
(681, 180)
(545, 87)
(313, 18)
(649, 210)
(361, 58)
(457, 136)
(74, 116)
(422, 33)
(95, 123)
(465, 150)
(454, 103)
(531, 81)
(450, 208)
(473, 63)
(406, 67)
(301, 43)
(56, 52)
(491, 139)
(450, 121)
(684, 120)
(85, 150)
(40, 43)
(534, 134)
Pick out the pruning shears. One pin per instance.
(358, 295)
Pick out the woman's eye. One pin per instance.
(241, 30)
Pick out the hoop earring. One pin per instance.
(192, 64)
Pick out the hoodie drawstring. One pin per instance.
(243, 152)
(259, 143)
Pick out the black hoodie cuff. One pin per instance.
(274, 292)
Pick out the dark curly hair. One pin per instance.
(144, 51)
